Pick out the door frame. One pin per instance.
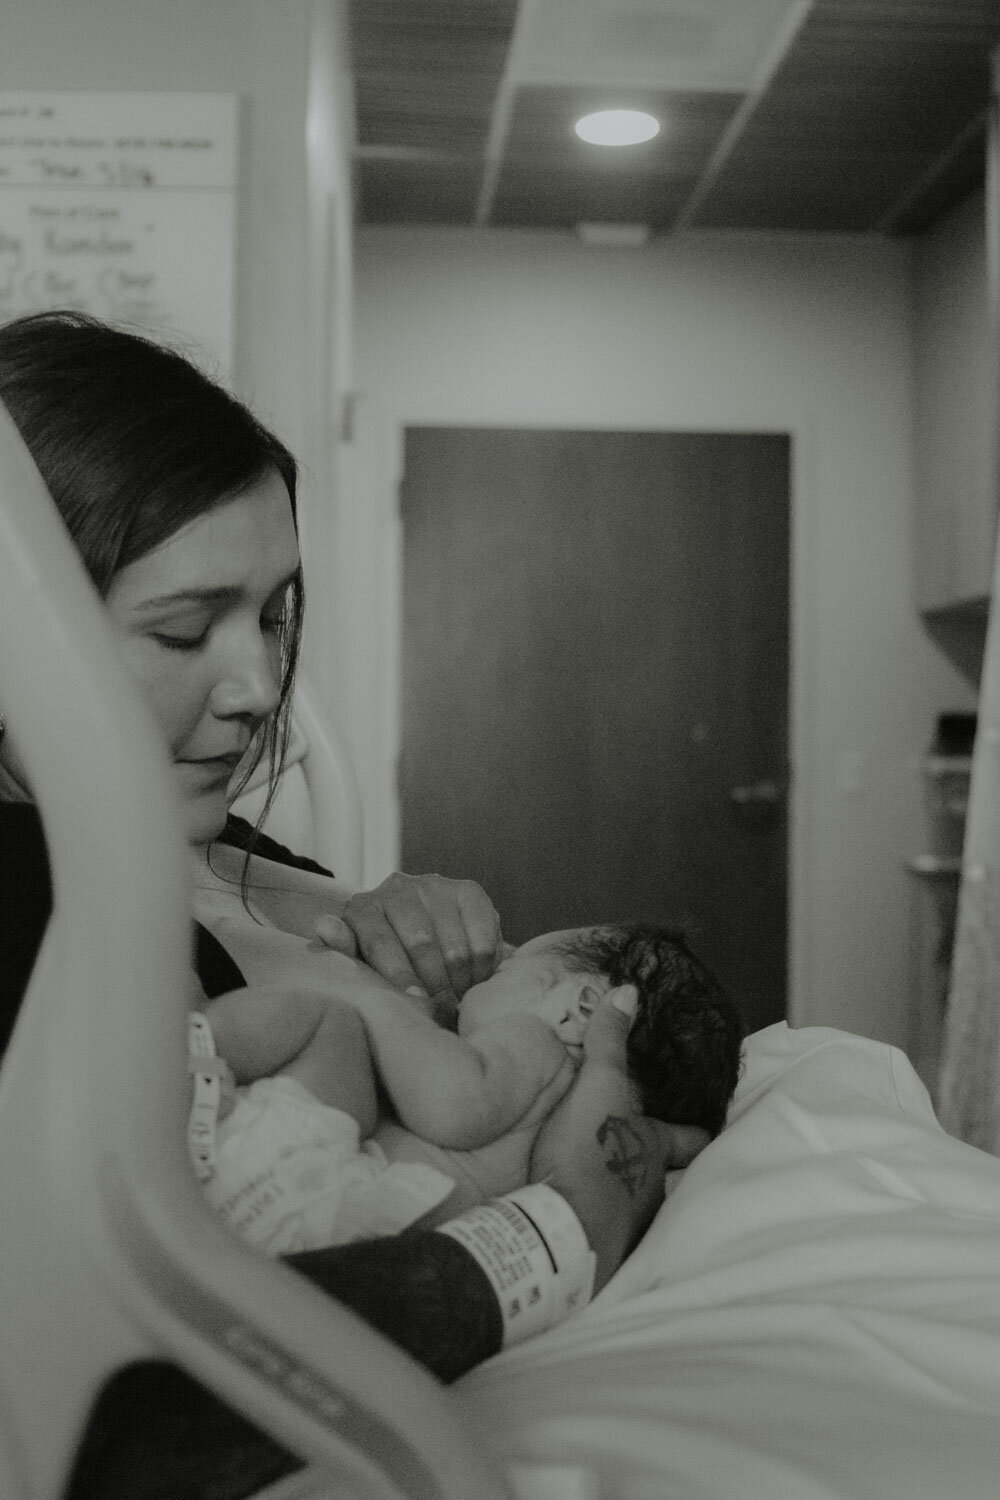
(367, 573)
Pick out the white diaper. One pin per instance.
(293, 1174)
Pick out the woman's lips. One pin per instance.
(216, 768)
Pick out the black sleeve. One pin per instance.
(25, 905)
(240, 834)
(217, 972)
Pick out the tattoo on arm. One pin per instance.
(624, 1153)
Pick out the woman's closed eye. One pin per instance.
(181, 642)
(178, 640)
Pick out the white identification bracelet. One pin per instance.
(208, 1071)
(532, 1247)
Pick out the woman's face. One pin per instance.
(199, 618)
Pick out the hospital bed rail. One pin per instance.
(317, 807)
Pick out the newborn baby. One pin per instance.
(355, 1114)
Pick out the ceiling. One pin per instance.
(864, 116)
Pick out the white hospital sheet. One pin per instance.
(815, 1312)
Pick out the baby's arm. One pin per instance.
(304, 1035)
(453, 1091)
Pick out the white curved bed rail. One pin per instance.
(108, 1252)
(334, 794)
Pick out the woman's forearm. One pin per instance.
(600, 1152)
(603, 1157)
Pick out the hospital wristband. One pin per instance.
(207, 1070)
(534, 1251)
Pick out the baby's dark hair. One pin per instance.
(685, 1044)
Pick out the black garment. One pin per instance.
(26, 905)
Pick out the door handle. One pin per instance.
(758, 794)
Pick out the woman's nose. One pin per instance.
(251, 684)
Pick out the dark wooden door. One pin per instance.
(595, 670)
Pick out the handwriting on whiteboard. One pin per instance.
(122, 205)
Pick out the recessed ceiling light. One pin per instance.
(617, 127)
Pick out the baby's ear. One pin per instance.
(588, 999)
(579, 1010)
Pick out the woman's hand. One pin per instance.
(422, 933)
(599, 1151)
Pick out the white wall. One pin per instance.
(806, 334)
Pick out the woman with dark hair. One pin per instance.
(182, 507)
(161, 478)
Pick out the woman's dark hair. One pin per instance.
(133, 442)
(685, 1045)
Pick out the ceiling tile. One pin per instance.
(872, 120)
(558, 197)
(552, 178)
(426, 72)
(425, 192)
(680, 44)
(870, 96)
(954, 180)
(810, 192)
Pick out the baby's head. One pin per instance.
(684, 1046)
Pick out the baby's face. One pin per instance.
(534, 980)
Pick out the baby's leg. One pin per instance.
(319, 1042)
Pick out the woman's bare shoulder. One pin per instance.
(289, 898)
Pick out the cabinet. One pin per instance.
(958, 398)
(957, 370)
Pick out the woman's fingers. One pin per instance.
(605, 1038)
(396, 934)
(426, 930)
(467, 929)
(378, 942)
(482, 929)
(333, 932)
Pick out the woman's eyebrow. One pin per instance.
(220, 594)
(191, 596)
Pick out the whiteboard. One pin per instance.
(122, 205)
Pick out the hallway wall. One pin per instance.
(810, 335)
